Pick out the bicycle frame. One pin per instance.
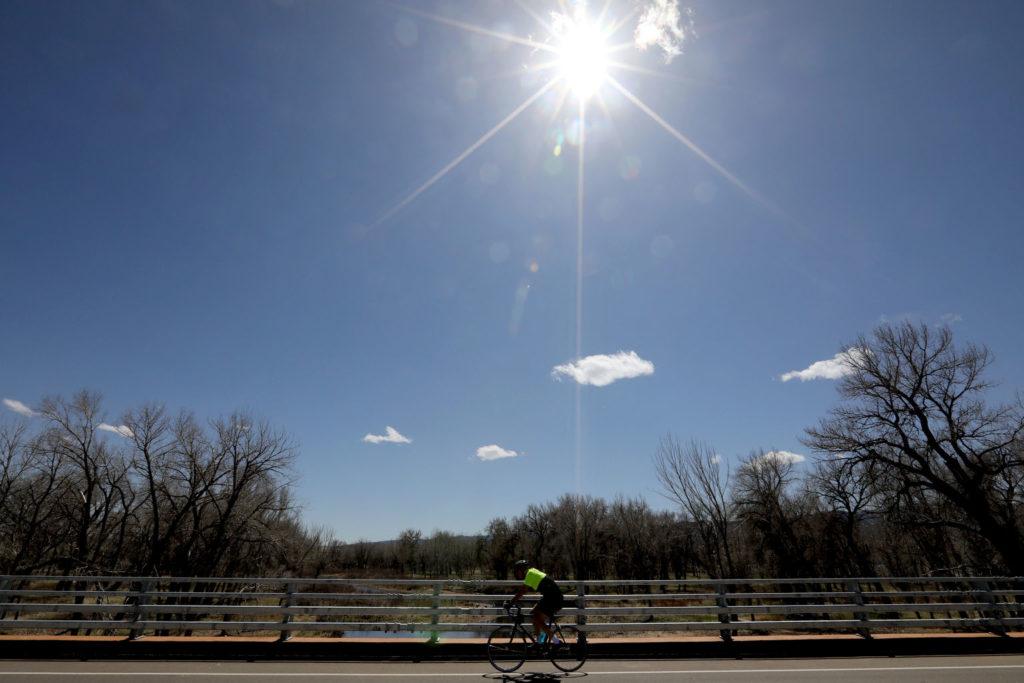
(519, 620)
(515, 644)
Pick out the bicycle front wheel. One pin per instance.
(507, 648)
(571, 653)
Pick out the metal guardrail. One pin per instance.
(136, 605)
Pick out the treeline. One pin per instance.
(574, 536)
(915, 473)
(154, 494)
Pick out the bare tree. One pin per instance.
(914, 408)
(186, 491)
(13, 468)
(94, 492)
(250, 461)
(35, 529)
(673, 545)
(154, 448)
(501, 541)
(536, 530)
(632, 525)
(22, 508)
(774, 512)
(694, 477)
(407, 551)
(361, 554)
(848, 493)
(578, 524)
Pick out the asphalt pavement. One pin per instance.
(990, 668)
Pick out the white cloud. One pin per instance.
(391, 435)
(839, 365)
(664, 25)
(602, 370)
(120, 430)
(950, 318)
(783, 456)
(19, 407)
(494, 452)
(716, 459)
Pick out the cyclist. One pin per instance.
(551, 599)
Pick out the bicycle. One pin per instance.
(509, 646)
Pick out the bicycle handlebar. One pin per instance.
(513, 609)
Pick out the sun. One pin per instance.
(582, 56)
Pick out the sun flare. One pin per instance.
(576, 55)
(582, 56)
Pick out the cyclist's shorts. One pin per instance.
(551, 599)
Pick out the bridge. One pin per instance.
(660, 629)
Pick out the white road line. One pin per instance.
(701, 672)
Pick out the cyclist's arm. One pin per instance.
(519, 594)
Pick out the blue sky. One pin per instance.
(191, 195)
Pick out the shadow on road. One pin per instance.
(534, 677)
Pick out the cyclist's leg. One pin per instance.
(553, 605)
(541, 617)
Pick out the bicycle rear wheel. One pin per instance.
(571, 653)
(507, 648)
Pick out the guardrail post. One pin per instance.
(287, 617)
(1017, 609)
(5, 586)
(994, 614)
(435, 604)
(143, 596)
(724, 617)
(858, 599)
(581, 605)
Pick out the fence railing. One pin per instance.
(335, 607)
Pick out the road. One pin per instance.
(991, 668)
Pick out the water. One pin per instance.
(425, 635)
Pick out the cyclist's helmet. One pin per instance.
(522, 564)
